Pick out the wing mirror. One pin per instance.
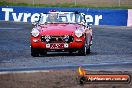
(34, 23)
(90, 26)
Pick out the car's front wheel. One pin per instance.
(83, 51)
(43, 52)
(34, 52)
(88, 50)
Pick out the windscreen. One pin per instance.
(61, 17)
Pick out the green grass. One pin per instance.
(68, 5)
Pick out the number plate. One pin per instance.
(57, 46)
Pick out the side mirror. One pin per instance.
(45, 23)
(90, 26)
(34, 23)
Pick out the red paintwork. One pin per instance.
(58, 30)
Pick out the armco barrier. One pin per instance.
(94, 16)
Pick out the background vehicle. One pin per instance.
(61, 31)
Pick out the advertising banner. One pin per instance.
(94, 16)
(129, 23)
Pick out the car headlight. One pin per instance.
(78, 33)
(35, 32)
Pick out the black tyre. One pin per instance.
(88, 50)
(83, 51)
(43, 52)
(34, 52)
(70, 52)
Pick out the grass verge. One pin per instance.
(67, 5)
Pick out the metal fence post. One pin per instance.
(33, 2)
(75, 1)
(119, 3)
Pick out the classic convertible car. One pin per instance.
(61, 31)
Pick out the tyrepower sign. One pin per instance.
(93, 16)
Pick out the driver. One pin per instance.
(52, 17)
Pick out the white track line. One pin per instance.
(9, 28)
(32, 71)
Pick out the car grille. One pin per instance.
(57, 39)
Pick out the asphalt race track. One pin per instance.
(111, 50)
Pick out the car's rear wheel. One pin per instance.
(34, 52)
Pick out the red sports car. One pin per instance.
(61, 31)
